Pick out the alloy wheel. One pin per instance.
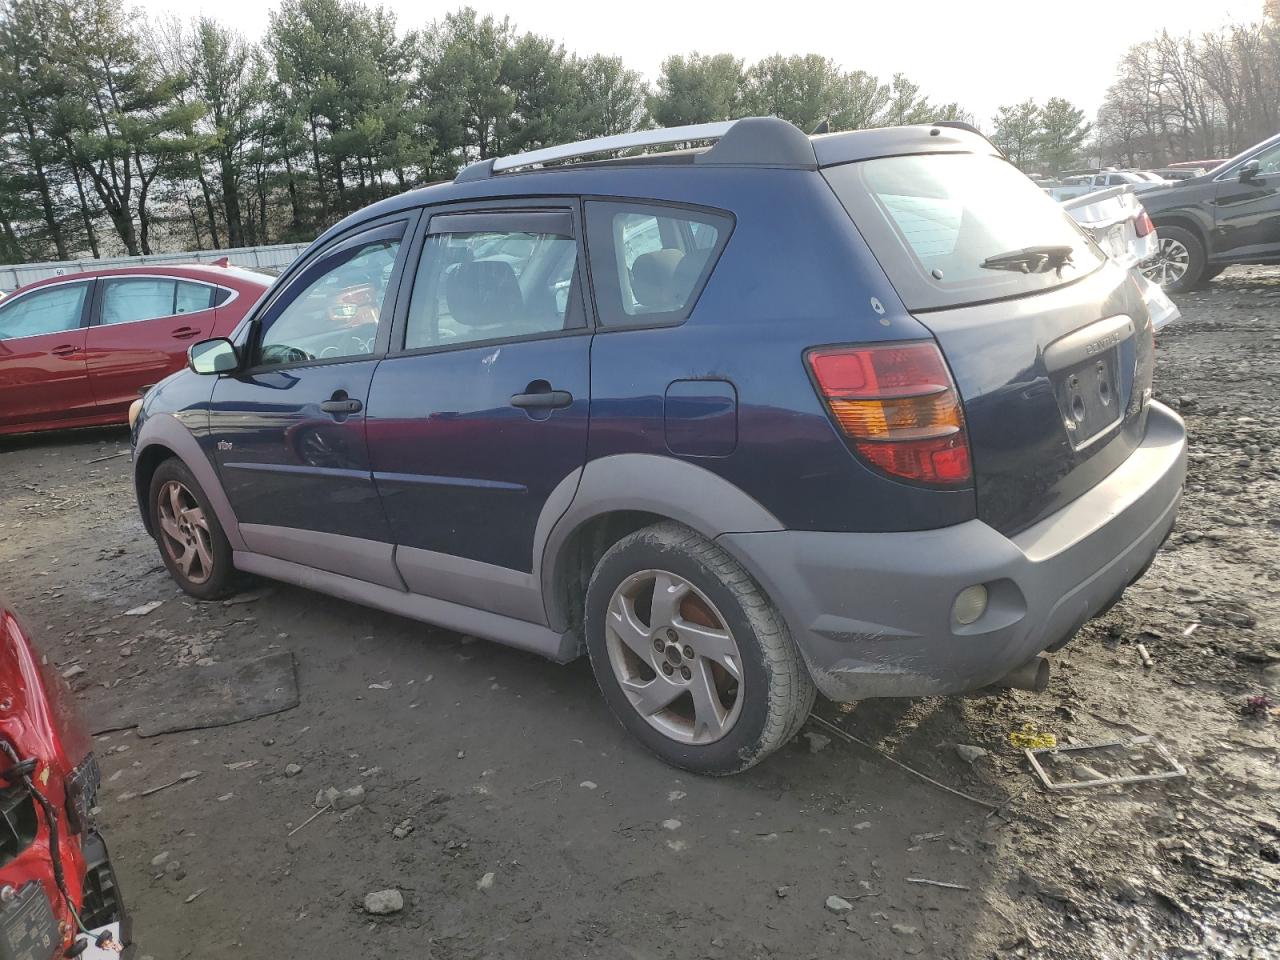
(184, 532)
(1170, 263)
(674, 657)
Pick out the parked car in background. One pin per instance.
(75, 350)
(1172, 174)
(1229, 215)
(1118, 223)
(57, 881)
(862, 413)
(1079, 186)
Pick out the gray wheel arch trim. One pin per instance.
(638, 482)
(166, 430)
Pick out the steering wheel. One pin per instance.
(284, 353)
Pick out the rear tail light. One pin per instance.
(1142, 224)
(899, 407)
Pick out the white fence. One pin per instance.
(267, 259)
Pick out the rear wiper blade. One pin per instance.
(1031, 259)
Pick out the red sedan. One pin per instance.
(75, 350)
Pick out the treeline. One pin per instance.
(1041, 139)
(1194, 98)
(123, 137)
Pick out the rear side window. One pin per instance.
(650, 262)
(948, 228)
(125, 300)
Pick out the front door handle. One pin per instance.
(547, 399)
(65, 350)
(185, 333)
(346, 405)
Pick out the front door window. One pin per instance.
(336, 313)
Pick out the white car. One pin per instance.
(1118, 223)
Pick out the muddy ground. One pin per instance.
(504, 764)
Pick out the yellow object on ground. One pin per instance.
(1029, 738)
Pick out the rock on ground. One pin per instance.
(383, 902)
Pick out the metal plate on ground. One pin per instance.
(195, 698)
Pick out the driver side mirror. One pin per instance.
(213, 356)
(1249, 171)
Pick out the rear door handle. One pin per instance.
(65, 350)
(543, 400)
(185, 333)
(342, 406)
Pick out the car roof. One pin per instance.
(226, 276)
(629, 176)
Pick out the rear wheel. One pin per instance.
(192, 545)
(1179, 262)
(692, 658)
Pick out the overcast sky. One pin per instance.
(981, 54)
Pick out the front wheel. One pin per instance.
(1179, 261)
(692, 658)
(192, 545)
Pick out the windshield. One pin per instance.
(936, 222)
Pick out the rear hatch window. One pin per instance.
(957, 228)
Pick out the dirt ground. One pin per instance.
(507, 765)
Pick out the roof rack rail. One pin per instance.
(751, 141)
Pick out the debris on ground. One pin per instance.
(817, 742)
(1255, 708)
(1136, 760)
(838, 905)
(292, 769)
(969, 753)
(485, 882)
(182, 778)
(340, 799)
(143, 609)
(403, 828)
(937, 883)
(380, 903)
(73, 671)
(1027, 737)
(252, 596)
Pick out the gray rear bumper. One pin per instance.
(871, 612)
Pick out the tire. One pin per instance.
(693, 712)
(192, 545)
(1180, 262)
(1209, 274)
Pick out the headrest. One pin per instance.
(481, 293)
(652, 279)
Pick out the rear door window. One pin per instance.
(959, 228)
(650, 262)
(495, 276)
(137, 298)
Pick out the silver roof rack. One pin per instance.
(621, 141)
(751, 141)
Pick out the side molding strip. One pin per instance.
(453, 616)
